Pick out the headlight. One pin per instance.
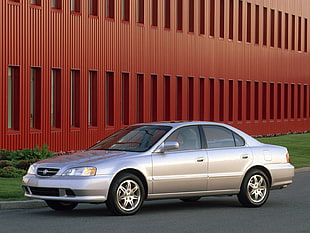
(31, 170)
(80, 171)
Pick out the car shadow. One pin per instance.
(149, 207)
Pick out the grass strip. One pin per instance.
(11, 189)
(298, 146)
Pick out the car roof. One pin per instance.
(183, 123)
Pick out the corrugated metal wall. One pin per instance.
(258, 88)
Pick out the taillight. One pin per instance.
(288, 159)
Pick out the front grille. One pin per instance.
(42, 171)
(44, 191)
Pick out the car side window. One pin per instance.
(188, 138)
(220, 137)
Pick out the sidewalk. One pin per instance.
(33, 204)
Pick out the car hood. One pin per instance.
(92, 156)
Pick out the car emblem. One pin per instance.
(45, 172)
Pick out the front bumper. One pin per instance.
(92, 189)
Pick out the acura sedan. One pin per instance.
(184, 160)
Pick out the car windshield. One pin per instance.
(137, 138)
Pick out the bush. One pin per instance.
(11, 172)
(4, 163)
(16, 163)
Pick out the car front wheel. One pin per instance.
(255, 189)
(61, 205)
(126, 195)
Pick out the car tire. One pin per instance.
(255, 189)
(126, 195)
(190, 199)
(61, 205)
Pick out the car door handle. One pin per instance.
(244, 156)
(199, 160)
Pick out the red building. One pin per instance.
(73, 71)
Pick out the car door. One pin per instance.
(228, 158)
(181, 170)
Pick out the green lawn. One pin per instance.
(298, 146)
(11, 190)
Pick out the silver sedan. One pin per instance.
(185, 160)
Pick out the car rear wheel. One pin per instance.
(126, 195)
(61, 205)
(255, 189)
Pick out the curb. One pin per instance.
(10, 205)
(302, 169)
(35, 204)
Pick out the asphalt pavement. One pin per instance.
(33, 204)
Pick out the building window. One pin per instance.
(56, 4)
(154, 16)
(279, 101)
(35, 98)
(140, 98)
(179, 105)
(306, 36)
(212, 17)
(93, 7)
(271, 106)
(286, 31)
(35, 2)
(264, 26)
(248, 100)
(293, 32)
(76, 6)
(257, 22)
(191, 15)
(202, 98)
(231, 100)
(167, 98)
(15, 1)
(109, 98)
(191, 98)
(279, 29)
(92, 98)
(285, 101)
(179, 15)
(13, 97)
(292, 101)
(299, 101)
(75, 99)
(109, 8)
(221, 99)
(140, 11)
(154, 95)
(299, 33)
(231, 20)
(249, 25)
(222, 18)
(125, 98)
(240, 16)
(167, 14)
(125, 10)
(272, 28)
(305, 100)
(211, 98)
(202, 17)
(56, 98)
(240, 100)
(264, 101)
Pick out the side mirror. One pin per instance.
(167, 146)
